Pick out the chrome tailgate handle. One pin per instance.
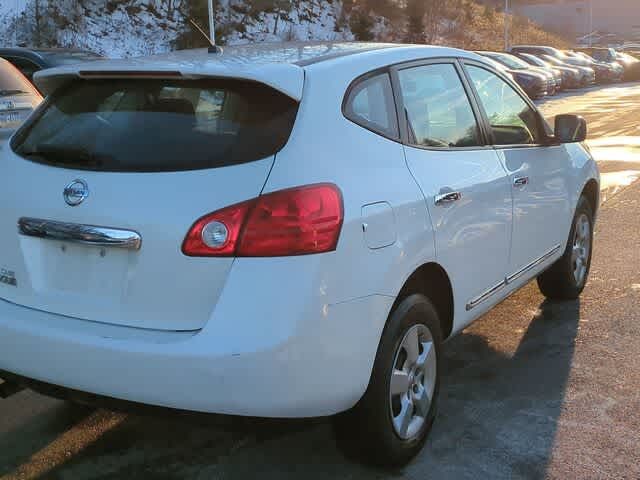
(79, 233)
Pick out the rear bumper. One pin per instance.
(311, 365)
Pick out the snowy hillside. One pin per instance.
(134, 28)
(112, 28)
(123, 28)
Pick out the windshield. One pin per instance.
(511, 62)
(532, 59)
(12, 82)
(157, 125)
(553, 60)
(584, 56)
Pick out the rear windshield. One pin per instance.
(12, 81)
(157, 125)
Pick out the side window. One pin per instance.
(27, 67)
(437, 108)
(371, 104)
(512, 120)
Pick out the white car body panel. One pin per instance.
(542, 200)
(148, 288)
(472, 234)
(284, 336)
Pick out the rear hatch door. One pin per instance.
(103, 184)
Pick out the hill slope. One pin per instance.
(139, 27)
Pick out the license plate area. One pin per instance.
(58, 267)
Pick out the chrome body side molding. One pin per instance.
(532, 265)
(485, 295)
(474, 302)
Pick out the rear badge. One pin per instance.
(8, 277)
(75, 193)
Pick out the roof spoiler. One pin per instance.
(283, 77)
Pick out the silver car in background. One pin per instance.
(18, 98)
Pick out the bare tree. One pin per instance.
(434, 14)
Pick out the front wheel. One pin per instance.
(390, 424)
(566, 278)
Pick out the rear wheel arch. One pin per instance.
(431, 280)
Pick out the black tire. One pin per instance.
(559, 281)
(367, 430)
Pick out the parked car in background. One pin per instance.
(18, 98)
(557, 57)
(606, 56)
(631, 66)
(554, 80)
(571, 77)
(587, 74)
(534, 83)
(535, 49)
(600, 54)
(31, 60)
(269, 272)
(605, 72)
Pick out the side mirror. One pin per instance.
(570, 129)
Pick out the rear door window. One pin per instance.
(437, 108)
(158, 125)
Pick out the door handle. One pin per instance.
(520, 181)
(446, 198)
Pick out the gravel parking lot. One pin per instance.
(534, 389)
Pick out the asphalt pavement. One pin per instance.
(534, 389)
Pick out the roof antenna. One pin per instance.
(213, 48)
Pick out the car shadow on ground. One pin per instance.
(502, 394)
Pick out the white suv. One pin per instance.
(281, 230)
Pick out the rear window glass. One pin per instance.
(157, 125)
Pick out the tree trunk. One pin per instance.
(37, 20)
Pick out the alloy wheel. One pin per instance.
(412, 382)
(581, 249)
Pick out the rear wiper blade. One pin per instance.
(64, 155)
(6, 93)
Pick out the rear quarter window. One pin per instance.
(157, 125)
(369, 103)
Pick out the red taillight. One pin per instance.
(297, 221)
(231, 217)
